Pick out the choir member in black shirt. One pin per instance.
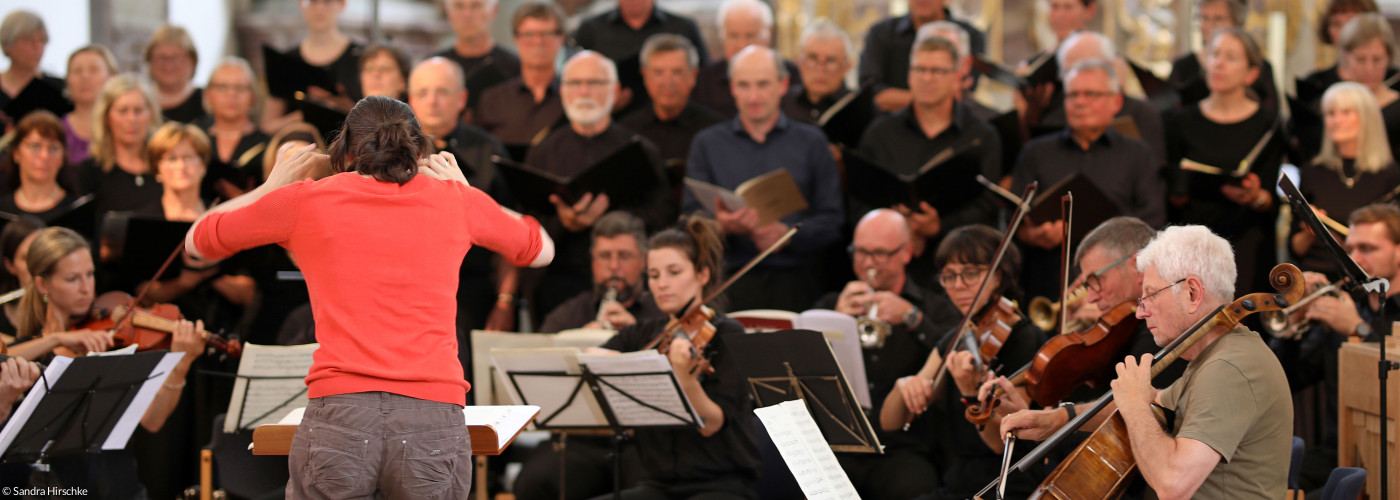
(1066, 18)
(119, 172)
(887, 44)
(618, 255)
(88, 68)
(1329, 31)
(1355, 168)
(475, 48)
(1189, 77)
(669, 65)
(1366, 49)
(384, 71)
(917, 319)
(1221, 131)
(936, 121)
(521, 111)
(324, 47)
(23, 38)
(234, 100)
(487, 286)
(741, 23)
(963, 462)
(36, 160)
(824, 58)
(1092, 45)
(170, 61)
(720, 459)
(618, 33)
(589, 90)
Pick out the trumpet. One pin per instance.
(1278, 324)
(609, 297)
(871, 328)
(1045, 314)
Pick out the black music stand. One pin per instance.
(82, 405)
(799, 365)
(621, 410)
(1376, 287)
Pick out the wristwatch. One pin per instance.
(1363, 330)
(1069, 408)
(911, 318)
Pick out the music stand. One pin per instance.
(86, 404)
(1376, 287)
(799, 365)
(615, 395)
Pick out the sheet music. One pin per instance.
(127, 424)
(807, 455)
(846, 349)
(31, 401)
(705, 193)
(657, 390)
(549, 392)
(268, 394)
(507, 421)
(293, 417)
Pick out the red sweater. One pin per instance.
(381, 263)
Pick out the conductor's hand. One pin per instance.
(1035, 425)
(296, 165)
(583, 213)
(442, 166)
(188, 338)
(84, 341)
(17, 375)
(916, 391)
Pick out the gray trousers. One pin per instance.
(380, 445)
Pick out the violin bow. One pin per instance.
(777, 245)
(131, 305)
(1066, 213)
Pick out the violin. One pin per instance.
(148, 328)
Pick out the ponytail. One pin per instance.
(381, 139)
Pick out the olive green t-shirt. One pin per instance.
(1234, 398)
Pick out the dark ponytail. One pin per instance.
(701, 241)
(381, 139)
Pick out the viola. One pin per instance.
(148, 328)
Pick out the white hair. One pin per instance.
(765, 13)
(609, 66)
(1106, 67)
(949, 31)
(824, 29)
(1373, 149)
(1106, 50)
(1181, 251)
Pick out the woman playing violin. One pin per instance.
(719, 460)
(56, 302)
(964, 259)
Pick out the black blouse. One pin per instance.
(190, 111)
(345, 69)
(1328, 189)
(244, 168)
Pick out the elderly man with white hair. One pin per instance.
(741, 23)
(825, 56)
(1233, 411)
(588, 90)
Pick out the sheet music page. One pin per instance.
(293, 417)
(31, 401)
(506, 420)
(807, 455)
(549, 392)
(846, 348)
(122, 431)
(268, 397)
(705, 193)
(660, 391)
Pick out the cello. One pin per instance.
(1102, 466)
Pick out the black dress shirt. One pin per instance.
(344, 69)
(504, 60)
(672, 137)
(889, 43)
(190, 111)
(1122, 167)
(583, 309)
(797, 106)
(712, 87)
(1146, 117)
(1325, 188)
(509, 112)
(609, 34)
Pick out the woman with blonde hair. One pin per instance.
(88, 69)
(234, 101)
(171, 59)
(1354, 169)
(119, 172)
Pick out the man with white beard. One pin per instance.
(588, 89)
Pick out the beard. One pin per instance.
(588, 111)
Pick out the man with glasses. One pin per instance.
(934, 123)
(589, 88)
(522, 110)
(1233, 423)
(824, 58)
(918, 318)
(618, 33)
(475, 48)
(887, 47)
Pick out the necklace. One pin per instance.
(1347, 181)
(29, 202)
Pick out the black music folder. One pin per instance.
(627, 176)
(288, 76)
(1161, 94)
(946, 181)
(144, 246)
(1040, 71)
(845, 121)
(1090, 202)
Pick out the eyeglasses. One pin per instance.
(184, 159)
(1087, 94)
(36, 147)
(930, 70)
(230, 88)
(577, 84)
(1143, 301)
(1094, 283)
(537, 35)
(827, 63)
(878, 257)
(968, 276)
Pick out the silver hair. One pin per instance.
(21, 23)
(667, 42)
(1179, 252)
(1372, 147)
(777, 60)
(1114, 84)
(950, 31)
(609, 66)
(1107, 51)
(1118, 236)
(765, 13)
(824, 29)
